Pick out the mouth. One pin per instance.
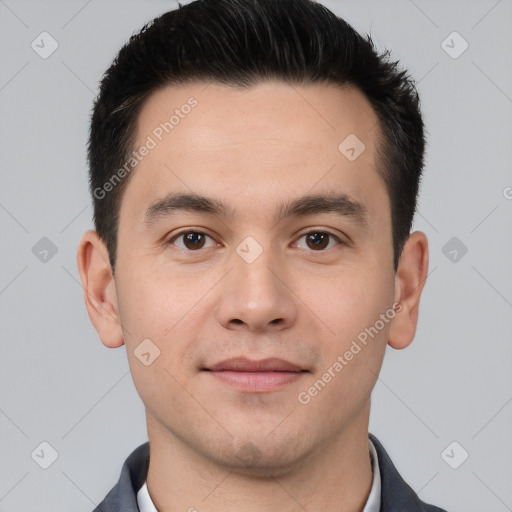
(256, 376)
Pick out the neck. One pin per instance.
(336, 477)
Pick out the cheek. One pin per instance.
(162, 309)
(353, 346)
(350, 304)
(157, 305)
(348, 299)
(157, 315)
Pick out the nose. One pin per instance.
(257, 296)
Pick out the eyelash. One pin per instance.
(314, 231)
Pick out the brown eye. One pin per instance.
(319, 240)
(191, 240)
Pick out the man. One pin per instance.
(254, 167)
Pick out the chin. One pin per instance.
(263, 457)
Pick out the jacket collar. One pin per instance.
(396, 495)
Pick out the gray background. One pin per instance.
(59, 384)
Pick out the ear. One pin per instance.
(409, 282)
(99, 288)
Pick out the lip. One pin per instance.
(256, 376)
(242, 364)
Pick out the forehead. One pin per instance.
(258, 144)
(221, 113)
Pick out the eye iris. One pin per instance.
(196, 240)
(319, 240)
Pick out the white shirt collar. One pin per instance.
(144, 500)
(372, 504)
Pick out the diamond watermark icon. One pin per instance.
(44, 250)
(454, 45)
(351, 147)
(44, 45)
(249, 250)
(146, 352)
(454, 455)
(45, 455)
(454, 249)
(249, 454)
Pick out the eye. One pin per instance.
(319, 240)
(192, 240)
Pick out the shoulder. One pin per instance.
(396, 494)
(123, 496)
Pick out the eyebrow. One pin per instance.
(340, 204)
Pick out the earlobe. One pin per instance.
(99, 288)
(409, 282)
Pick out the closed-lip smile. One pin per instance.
(249, 375)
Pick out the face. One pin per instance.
(259, 272)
